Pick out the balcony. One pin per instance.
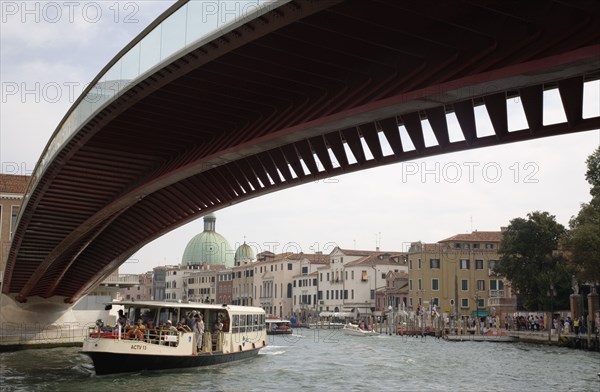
(501, 302)
(496, 293)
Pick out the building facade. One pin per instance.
(356, 281)
(305, 287)
(457, 276)
(138, 292)
(12, 190)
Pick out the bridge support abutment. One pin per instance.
(41, 323)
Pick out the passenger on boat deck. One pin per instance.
(170, 327)
(198, 330)
(137, 330)
(190, 319)
(122, 321)
(150, 328)
(218, 327)
(183, 327)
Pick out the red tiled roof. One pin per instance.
(379, 258)
(476, 236)
(398, 275)
(356, 252)
(313, 258)
(10, 183)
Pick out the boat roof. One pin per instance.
(188, 305)
(277, 320)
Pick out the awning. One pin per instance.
(480, 313)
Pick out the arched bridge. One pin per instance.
(184, 121)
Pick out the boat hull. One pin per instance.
(109, 363)
(354, 330)
(288, 332)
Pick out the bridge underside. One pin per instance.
(307, 91)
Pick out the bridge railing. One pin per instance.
(184, 27)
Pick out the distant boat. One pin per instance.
(154, 343)
(277, 326)
(297, 324)
(355, 330)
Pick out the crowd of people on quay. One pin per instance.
(533, 322)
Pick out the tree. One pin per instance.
(583, 240)
(529, 259)
(592, 175)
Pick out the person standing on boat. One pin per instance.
(122, 321)
(218, 327)
(198, 330)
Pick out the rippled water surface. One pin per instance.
(320, 360)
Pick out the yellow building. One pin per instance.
(456, 275)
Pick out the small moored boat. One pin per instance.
(356, 330)
(151, 341)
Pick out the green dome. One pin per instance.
(243, 252)
(208, 247)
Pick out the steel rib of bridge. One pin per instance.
(308, 91)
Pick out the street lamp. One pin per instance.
(551, 293)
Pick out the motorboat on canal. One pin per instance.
(152, 341)
(277, 326)
(356, 330)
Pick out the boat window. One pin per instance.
(146, 314)
(236, 323)
(168, 314)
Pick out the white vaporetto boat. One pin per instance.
(355, 330)
(150, 341)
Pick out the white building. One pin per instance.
(305, 286)
(355, 280)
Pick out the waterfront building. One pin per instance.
(12, 190)
(243, 288)
(305, 286)
(142, 291)
(273, 280)
(457, 276)
(192, 282)
(355, 281)
(224, 286)
(395, 293)
(159, 281)
(200, 283)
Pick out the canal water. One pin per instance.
(318, 360)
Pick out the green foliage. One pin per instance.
(528, 259)
(592, 174)
(583, 240)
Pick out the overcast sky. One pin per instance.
(50, 51)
